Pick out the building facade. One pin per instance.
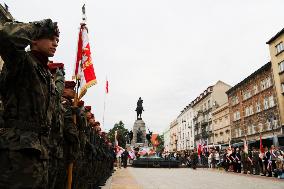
(221, 124)
(173, 135)
(185, 133)
(276, 48)
(254, 107)
(167, 141)
(203, 106)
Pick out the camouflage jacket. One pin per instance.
(25, 87)
(55, 116)
(70, 132)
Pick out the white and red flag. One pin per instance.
(106, 86)
(84, 69)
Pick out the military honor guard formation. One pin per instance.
(50, 139)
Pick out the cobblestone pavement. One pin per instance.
(163, 178)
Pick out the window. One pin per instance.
(268, 82)
(265, 102)
(235, 100)
(281, 66)
(251, 110)
(254, 129)
(269, 124)
(262, 85)
(236, 115)
(247, 111)
(237, 133)
(240, 132)
(246, 94)
(279, 48)
(258, 108)
(271, 102)
(255, 89)
(249, 129)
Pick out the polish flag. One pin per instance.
(84, 69)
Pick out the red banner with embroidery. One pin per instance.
(84, 69)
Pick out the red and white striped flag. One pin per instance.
(106, 86)
(84, 69)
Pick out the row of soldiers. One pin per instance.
(76, 137)
(43, 131)
(267, 162)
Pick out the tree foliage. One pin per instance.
(121, 134)
(160, 147)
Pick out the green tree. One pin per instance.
(160, 147)
(121, 134)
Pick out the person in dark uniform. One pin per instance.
(26, 92)
(250, 161)
(255, 160)
(233, 160)
(244, 161)
(194, 158)
(55, 169)
(238, 161)
(266, 158)
(124, 158)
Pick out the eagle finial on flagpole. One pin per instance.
(84, 18)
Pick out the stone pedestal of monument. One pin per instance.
(139, 125)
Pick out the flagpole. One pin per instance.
(106, 92)
(104, 110)
(71, 164)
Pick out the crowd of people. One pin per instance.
(267, 162)
(47, 138)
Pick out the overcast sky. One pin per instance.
(166, 51)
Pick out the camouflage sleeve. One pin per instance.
(14, 38)
(59, 81)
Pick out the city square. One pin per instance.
(164, 178)
(141, 94)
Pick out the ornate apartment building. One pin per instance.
(185, 133)
(203, 106)
(221, 124)
(254, 106)
(173, 135)
(167, 141)
(276, 48)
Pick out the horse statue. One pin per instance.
(139, 108)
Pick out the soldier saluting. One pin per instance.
(26, 92)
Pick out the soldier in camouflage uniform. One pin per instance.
(26, 93)
(70, 131)
(56, 167)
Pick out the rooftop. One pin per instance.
(264, 67)
(274, 37)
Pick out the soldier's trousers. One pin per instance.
(245, 167)
(256, 167)
(22, 170)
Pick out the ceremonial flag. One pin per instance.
(154, 140)
(245, 146)
(260, 145)
(106, 86)
(84, 69)
(115, 139)
(199, 149)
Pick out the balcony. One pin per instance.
(204, 122)
(207, 110)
